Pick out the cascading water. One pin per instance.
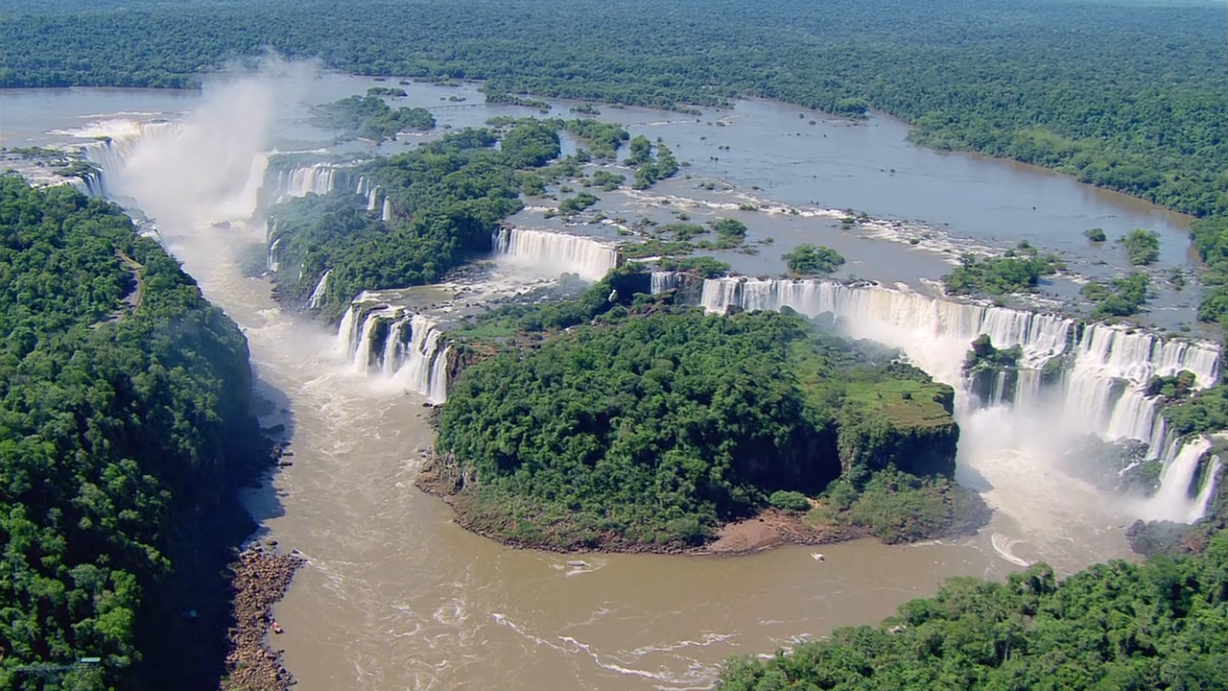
(556, 253)
(272, 263)
(317, 295)
(120, 138)
(402, 347)
(1172, 501)
(1104, 369)
(1203, 500)
(300, 181)
(386, 212)
(663, 281)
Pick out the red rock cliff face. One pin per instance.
(463, 356)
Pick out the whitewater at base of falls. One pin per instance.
(1104, 372)
(556, 253)
(397, 345)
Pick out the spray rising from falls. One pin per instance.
(208, 167)
(556, 253)
(1077, 379)
(396, 344)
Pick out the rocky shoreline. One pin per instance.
(261, 577)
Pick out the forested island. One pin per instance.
(125, 427)
(655, 425)
(369, 117)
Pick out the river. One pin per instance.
(396, 596)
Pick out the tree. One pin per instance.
(808, 260)
(1142, 246)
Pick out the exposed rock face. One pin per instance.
(920, 450)
(261, 577)
(442, 476)
(464, 356)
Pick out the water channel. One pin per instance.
(396, 596)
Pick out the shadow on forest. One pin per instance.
(183, 628)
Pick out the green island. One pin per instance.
(812, 260)
(124, 431)
(369, 117)
(447, 198)
(655, 426)
(1017, 271)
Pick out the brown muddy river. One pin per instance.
(397, 597)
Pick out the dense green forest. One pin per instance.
(447, 197)
(1161, 625)
(124, 424)
(1124, 95)
(656, 425)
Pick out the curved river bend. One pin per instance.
(398, 597)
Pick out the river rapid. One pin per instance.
(395, 595)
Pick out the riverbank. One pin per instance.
(966, 514)
(261, 576)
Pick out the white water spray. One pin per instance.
(1105, 372)
(397, 345)
(556, 253)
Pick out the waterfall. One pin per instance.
(424, 368)
(110, 151)
(663, 281)
(557, 252)
(1172, 502)
(300, 181)
(1203, 500)
(936, 334)
(347, 330)
(386, 212)
(394, 348)
(372, 198)
(272, 263)
(1104, 370)
(399, 346)
(317, 295)
(93, 184)
(362, 349)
